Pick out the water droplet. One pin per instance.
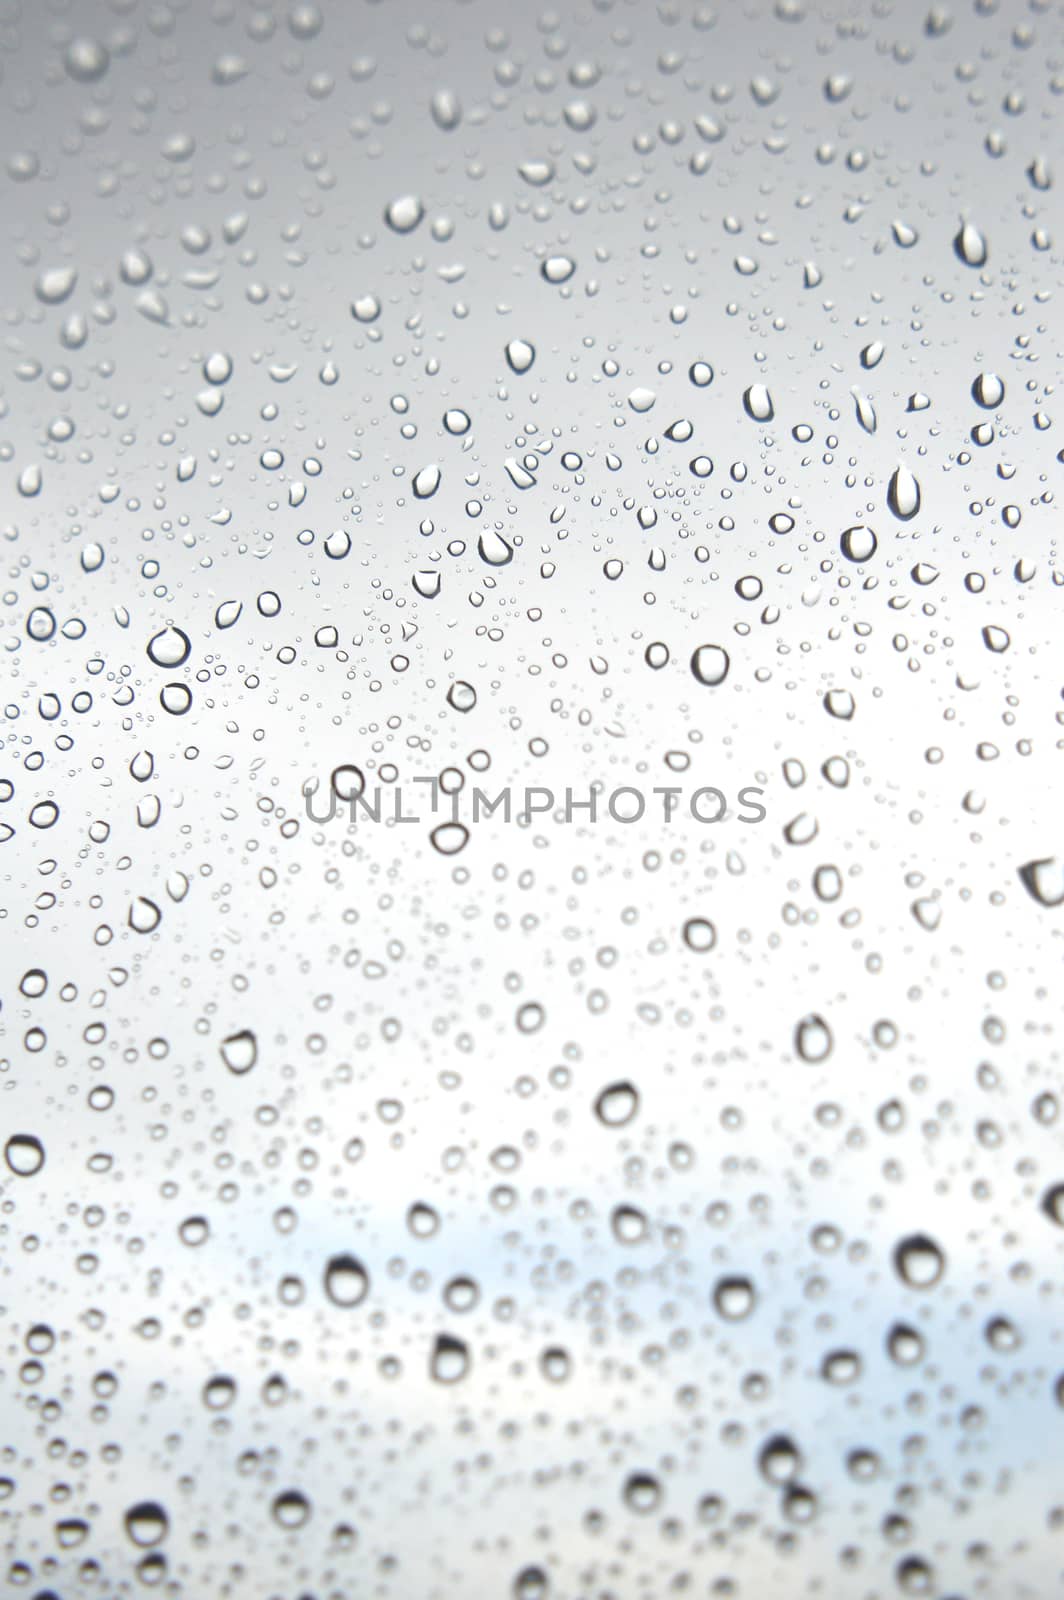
(903, 494)
(617, 1104)
(403, 214)
(240, 1051)
(919, 1261)
(144, 915)
(147, 1523)
(710, 664)
(699, 934)
(169, 648)
(450, 1361)
(734, 1298)
(858, 544)
(291, 1509)
(520, 355)
(812, 1038)
(346, 1281)
(970, 246)
(1044, 880)
(24, 1154)
(758, 403)
(449, 838)
(642, 1493)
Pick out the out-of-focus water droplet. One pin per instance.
(919, 1261)
(449, 838)
(970, 246)
(699, 935)
(1044, 880)
(734, 1298)
(617, 1104)
(450, 1360)
(147, 1523)
(24, 1154)
(446, 110)
(404, 213)
(346, 1280)
(240, 1051)
(642, 1493)
(812, 1038)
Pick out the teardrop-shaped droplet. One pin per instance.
(970, 246)
(426, 482)
(493, 549)
(520, 355)
(169, 648)
(903, 494)
(1044, 880)
(144, 915)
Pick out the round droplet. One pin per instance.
(291, 1509)
(461, 696)
(86, 60)
(347, 782)
(642, 1493)
(988, 391)
(346, 1281)
(403, 214)
(858, 544)
(617, 1104)
(919, 1261)
(779, 1459)
(905, 1344)
(734, 1298)
(710, 664)
(699, 934)
(449, 838)
(24, 1154)
(450, 1361)
(147, 1523)
(629, 1225)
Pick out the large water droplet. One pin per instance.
(710, 664)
